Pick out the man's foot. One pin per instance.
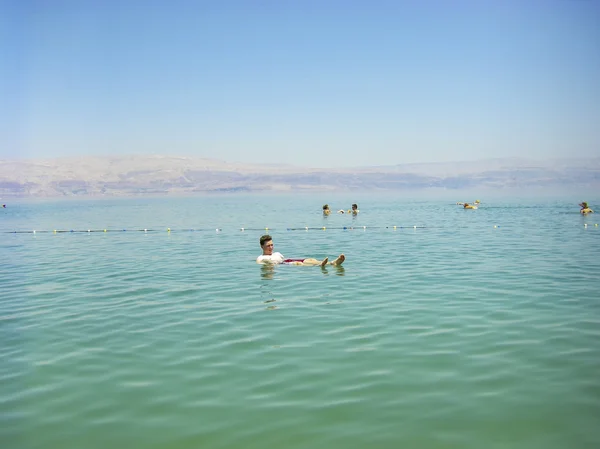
(339, 260)
(324, 261)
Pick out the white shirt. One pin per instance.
(273, 258)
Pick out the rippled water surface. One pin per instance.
(475, 329)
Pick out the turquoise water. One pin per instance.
(476, 329)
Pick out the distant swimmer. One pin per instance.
(585, 209)
(4, 206)
(468, 206)
(268, 256)
(476, 202)
(326, 210)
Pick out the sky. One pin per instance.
(322, 83)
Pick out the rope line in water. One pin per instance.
(169, 230)
(266, 229)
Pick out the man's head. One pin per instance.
(584, 205)
(266, 243)
(354, 206)
(326, 207)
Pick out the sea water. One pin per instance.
(444, 327)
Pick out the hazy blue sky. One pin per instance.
(316, 83)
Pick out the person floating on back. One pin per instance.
(585, 209)
(268, 256)
(354, 210)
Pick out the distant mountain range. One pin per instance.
(138, 175)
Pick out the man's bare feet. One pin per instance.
(325, 261)
(339, 260)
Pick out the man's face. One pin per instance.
(268, 248)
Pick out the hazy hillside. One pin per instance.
(135, 175)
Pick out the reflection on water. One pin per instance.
(338, 270)
(267, 271)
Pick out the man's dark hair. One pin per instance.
(354, 206)
(264, 239)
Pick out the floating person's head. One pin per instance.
(266, 243)
(326, 210)
(583, 204)
(355, 206)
